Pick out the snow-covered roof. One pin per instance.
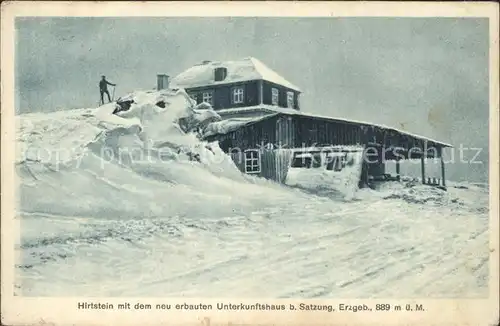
(274, 110)
(245, 69)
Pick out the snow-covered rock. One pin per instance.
(151, 107)
(167, 119)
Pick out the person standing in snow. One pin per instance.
(103, 87)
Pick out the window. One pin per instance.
(302, 161)
(208, 97)
(316, 160)
(275, 96)
(238, 95)
(338, 164)
(330, 163)
(289, 100)
(349, 160)
(252, 161)
(343, 160)
(336, 161)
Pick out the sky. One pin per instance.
(424, 75)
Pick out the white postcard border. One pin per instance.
(22, 310)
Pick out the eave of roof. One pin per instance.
(278, 110)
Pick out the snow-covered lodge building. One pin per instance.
(267, 133)
(242, 88)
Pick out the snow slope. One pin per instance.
(142, 208)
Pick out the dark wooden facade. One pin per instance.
(222, 94)
(256, 92)
(267, 89)
(293, 131)
(276, 134)
(274, 163)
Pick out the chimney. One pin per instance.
(162, 81)
(220, 73)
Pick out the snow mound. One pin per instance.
(55, 137)
(410, 191)
(167, 120)
(341, 183)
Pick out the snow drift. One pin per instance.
(150, 119)
(324, 178)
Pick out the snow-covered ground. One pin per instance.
(156, 223)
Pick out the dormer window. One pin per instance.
(290, 100)
(275, 96)
(220, 73)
